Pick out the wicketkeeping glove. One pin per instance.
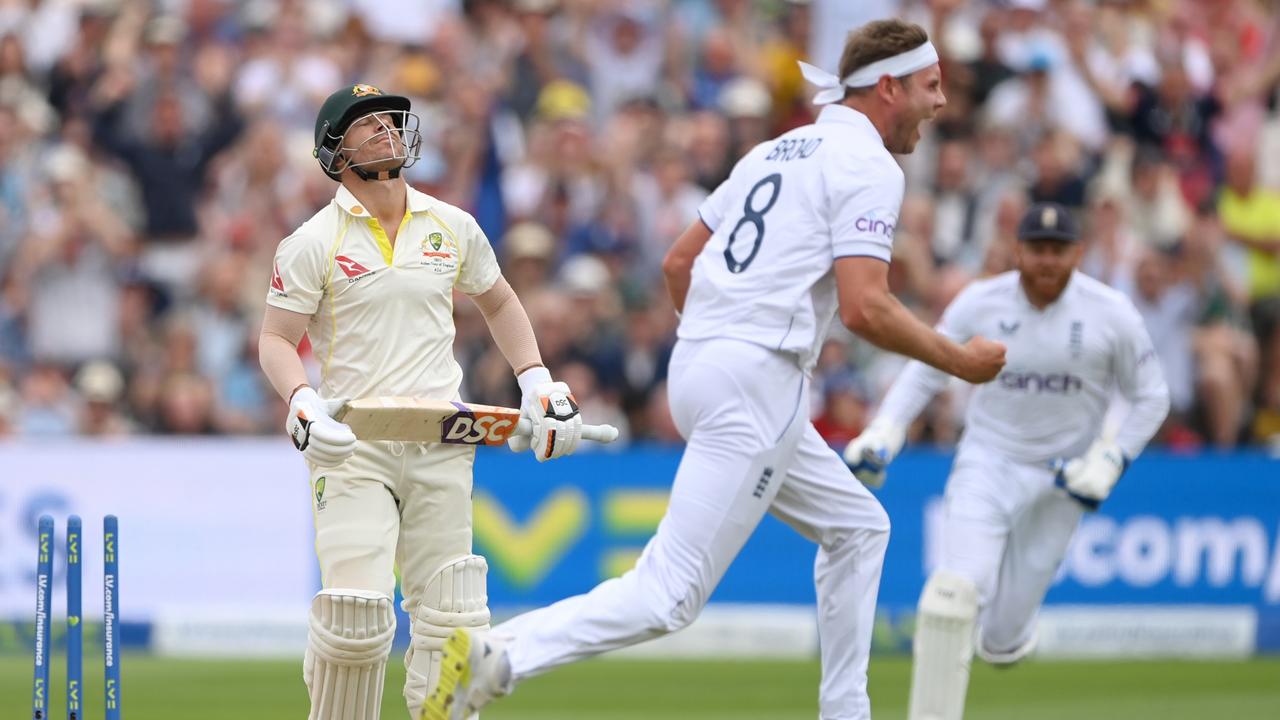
(322, 440)
(871, 452)
(1089, 478)
(553, 414)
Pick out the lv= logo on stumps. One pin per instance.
(44, 594)
(75, 634)
(40, 694)
(110, 611)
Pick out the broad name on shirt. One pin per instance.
(793, 149)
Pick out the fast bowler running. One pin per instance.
(1033, 456)
(370, 279)
(801, 230)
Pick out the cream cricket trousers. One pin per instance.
(1006, 528)
(407, 505)
(392, 504)
(751, 449)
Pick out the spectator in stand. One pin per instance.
(150, 164)
(1251, 220)
(69, 269)
(47, 404)
(8, 411)
(845, 405)
(1058, 171)
(170, 162)
(1169, 307)
(1225, 352)
(101, 387)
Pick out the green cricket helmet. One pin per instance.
(343, 108)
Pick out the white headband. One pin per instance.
(897, 66)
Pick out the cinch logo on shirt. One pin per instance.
(1053, 383)
(865, 224)
(352, 269)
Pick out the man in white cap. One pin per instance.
(801, 232)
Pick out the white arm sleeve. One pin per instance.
(1140, 380)
(919, 382)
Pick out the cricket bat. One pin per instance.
(412, 419)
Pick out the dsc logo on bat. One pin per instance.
(466, 429)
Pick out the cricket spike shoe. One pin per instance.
(474, 671)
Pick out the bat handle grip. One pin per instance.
(597, 433)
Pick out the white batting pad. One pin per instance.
(943, 648)
(457, 596)
(347, 647)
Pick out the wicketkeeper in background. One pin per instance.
(370, 279)
(1034, 455)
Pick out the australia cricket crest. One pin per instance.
(320, 501)
(438, 256)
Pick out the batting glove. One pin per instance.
(553, 414)
(871, 452)
(322, 440)
(1090, 478)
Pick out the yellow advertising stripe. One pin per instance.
(634, 511)
(617, 562)
(526, 553)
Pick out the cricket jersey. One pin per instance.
(1064, 363)
(789, 209)
(382, 316)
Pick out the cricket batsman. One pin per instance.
(1034, 455)
(370, 279)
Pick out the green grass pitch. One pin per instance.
(156, 688)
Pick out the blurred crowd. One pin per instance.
(153, 154)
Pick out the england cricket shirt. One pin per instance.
(1064, 363)
(789, 209)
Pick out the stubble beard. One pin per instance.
(905, 141)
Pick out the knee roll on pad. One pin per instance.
(943, 647)
(456, 596)
(949, 596)
(347, 644)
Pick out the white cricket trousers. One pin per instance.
(744, 411)
(1006, 528)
